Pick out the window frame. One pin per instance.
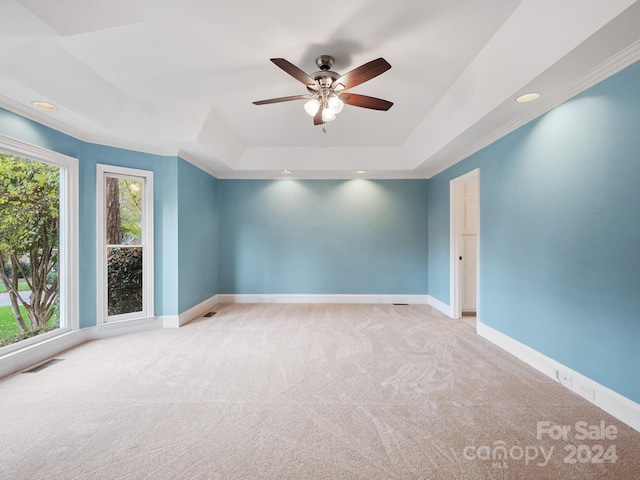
(146, 177)
(68, 246)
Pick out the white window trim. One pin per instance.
(68, 263)
(102, 171)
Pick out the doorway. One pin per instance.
(464, 238)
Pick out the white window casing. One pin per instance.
(146, 177)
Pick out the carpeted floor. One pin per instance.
(303, 392)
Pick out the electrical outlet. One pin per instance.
(564, 379)
(586, 391)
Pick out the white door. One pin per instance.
(469, 272)
(469, 245)
(465, 239)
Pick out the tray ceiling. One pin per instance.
(174, 77)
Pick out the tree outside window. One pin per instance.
(124, 251)
(29, 239)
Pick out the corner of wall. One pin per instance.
(440, 306)
(177, 321)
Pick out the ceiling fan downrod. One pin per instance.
(325, 62)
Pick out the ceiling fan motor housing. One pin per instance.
(324, 77)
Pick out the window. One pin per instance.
(42, 191)
(125, 244)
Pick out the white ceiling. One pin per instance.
(178, 76)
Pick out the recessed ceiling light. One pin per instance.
(285, 172)
(360, 172)
(44, 106)
(528, 97)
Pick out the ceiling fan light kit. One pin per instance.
(327, 97)
(312, 107)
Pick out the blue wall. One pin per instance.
(165, 219)
(560, 233)
(173, 179)
(166, 241)
(323, 237)
(198, 236)
(18, 127)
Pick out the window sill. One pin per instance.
(125, 323)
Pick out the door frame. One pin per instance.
(455, 244)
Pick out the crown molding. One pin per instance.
(198, 163)
(62, 127)
(603, 71)
(35, 116)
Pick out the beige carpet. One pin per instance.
(301, 392)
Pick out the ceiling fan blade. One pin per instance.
(362, 73)
(282, 99)
(295, 72)
(317, 119)
(366, 102)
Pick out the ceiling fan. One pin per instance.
(327, 89)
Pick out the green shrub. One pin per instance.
(24, 335)
(26, 268)
(124, 280)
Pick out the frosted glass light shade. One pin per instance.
(335, 105)
(312, 106)
(328, 115)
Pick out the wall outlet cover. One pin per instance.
(586, 391)
(564, 379)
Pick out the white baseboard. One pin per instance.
(611, 402)
(621, 407)
(170, 321)
(22, 358)
(337, 298)
(193, 313)
(32, 354)
(440, 306)
(18, 360)
(106, 330)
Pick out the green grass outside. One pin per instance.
(22, 286)
(8, 325)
